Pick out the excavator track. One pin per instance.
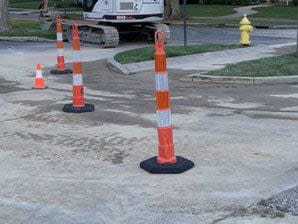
(107, 36)
(93, 34)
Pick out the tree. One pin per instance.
(173, 9)
(4, 15)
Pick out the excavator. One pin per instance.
(105, 21)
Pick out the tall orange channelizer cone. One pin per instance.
(78, 105)
(60, 69)
(166, 161)
(39, 82)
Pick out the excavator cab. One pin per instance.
(124, 11)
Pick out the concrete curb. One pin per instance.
(117, 67)
(226, 25)
(26, 39)
(264, 51)
(221, 25)
(240, 80)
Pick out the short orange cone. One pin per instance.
(78, 105)
(61, 69)
(166, 161)
(39, 82)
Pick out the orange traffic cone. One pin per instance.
(39, 82)
(61, 69)
(166, 161)
(78, 105)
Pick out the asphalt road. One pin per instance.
(201, 35)
(205, 35)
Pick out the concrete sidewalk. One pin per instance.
(248, 10)
(207, 61)
(239, 12)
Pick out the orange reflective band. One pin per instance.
(60, 64)
(78, 96)
(60, 44)
(160, 63)
(166, 153)
(162, 100)
(59, 28)
(77, 68)
(78, 90)
(76, 45)
(60, 59)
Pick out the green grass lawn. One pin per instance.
(147, 53)
(266, 16)
(286, 65)
(27, 28)
(209, 10)
(33, 4)
(72, 16)
(278, 12)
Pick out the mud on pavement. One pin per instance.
(69, 168)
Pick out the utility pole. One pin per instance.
(297, 34)
(184, 23)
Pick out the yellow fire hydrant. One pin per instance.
(245, 29)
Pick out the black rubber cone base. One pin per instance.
(152, 166)
(65, 72)
(69, 108)
(39, 88)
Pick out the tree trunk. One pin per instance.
(173, 9)
(4, 15)
(46, 5)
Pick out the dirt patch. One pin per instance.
(8, 86)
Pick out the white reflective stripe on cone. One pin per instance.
(38, 74)
(163, 118)
(59, 36)
(77, 80)
(161, 81)
(76, 56)
(60, 52)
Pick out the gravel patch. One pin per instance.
(277, 205)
